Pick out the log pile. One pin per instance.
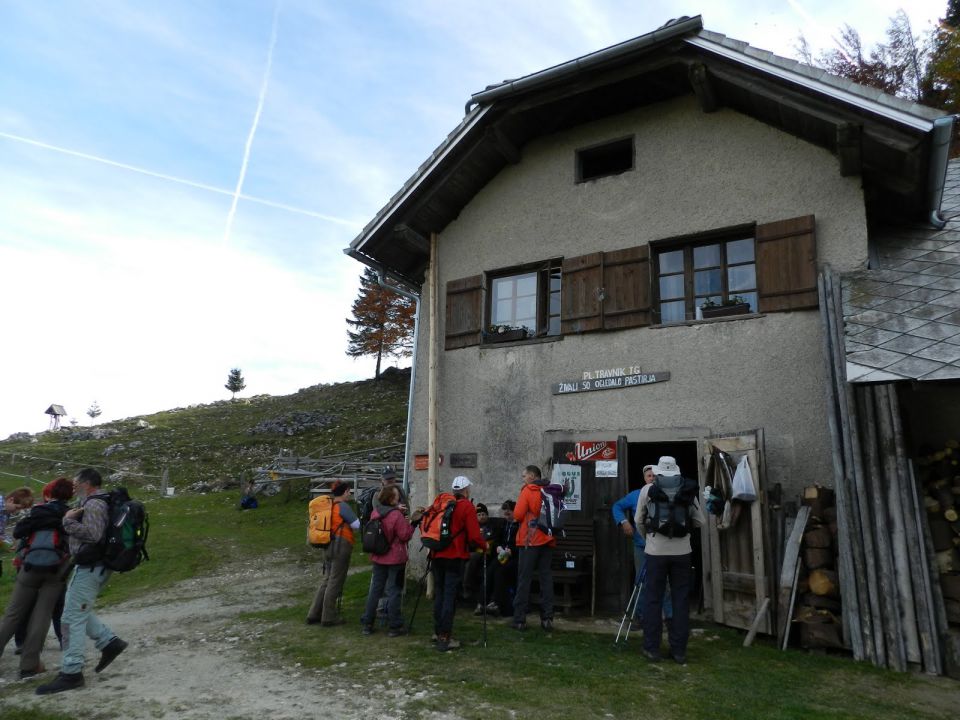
(940, 479)
(819, 608)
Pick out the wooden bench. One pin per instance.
(572, 568)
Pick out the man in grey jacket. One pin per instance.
(667, 511)
(86, 528)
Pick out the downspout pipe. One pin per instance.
(939, 157)
(384, 283)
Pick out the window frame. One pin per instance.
(545, 271)
(687, 243)
(578, 154)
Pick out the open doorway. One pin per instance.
(686, 455)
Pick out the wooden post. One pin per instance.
(864, 554)
(905, 622)
(920, 579)
(850, 593)
(432, 386)
(752, 633)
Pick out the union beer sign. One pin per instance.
(595, 450)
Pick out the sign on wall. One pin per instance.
(569, 476)
(463, 460)
(594, 450)
(605, 468)
(609, 379)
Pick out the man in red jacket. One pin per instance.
(536, 552)
(447, 564)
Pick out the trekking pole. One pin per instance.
(485, 597)
(416, 601)
(632, 604)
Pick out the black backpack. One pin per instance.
(365, 505)
(124, 543)
(669, 502)
(373, 539)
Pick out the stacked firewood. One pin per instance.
(940, 474)
(818, 613)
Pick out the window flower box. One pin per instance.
(715, 311)
(504, 333)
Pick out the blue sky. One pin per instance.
(128, 277)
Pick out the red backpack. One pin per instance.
(436, 525)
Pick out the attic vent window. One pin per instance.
(611, 158)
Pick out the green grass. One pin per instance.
(576, 674)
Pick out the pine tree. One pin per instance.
(94, 410)
(382, 322)
(235, 382)
(941, 84)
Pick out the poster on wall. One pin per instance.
(593, 450)
(569, 476)
(606, 468)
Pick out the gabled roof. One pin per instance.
(899, 147)
(902, 317)
(55, 410)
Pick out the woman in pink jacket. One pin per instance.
(388, 568)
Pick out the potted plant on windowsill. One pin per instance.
(505, 333)
(733, 305)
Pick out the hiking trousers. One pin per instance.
(32, 602)
(660, 568)
(389, 579)
(79, 621)
(335, 563)
(534, 559)
(447, 574)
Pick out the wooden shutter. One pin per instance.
(787, 265)
(464, 318)
(580, 306)
(626, 284)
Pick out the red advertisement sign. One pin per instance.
(596, 450)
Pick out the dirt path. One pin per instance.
(186, 659)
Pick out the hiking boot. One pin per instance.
(546, 625)
(366, 630)
(445, 643)
(110, 652)
(679, 658)
(519, 626)
(313, 621)
(397, 632)
(434, 638)
(652, 655)
(63, 681)
(24, 674)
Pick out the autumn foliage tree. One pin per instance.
(382, 323)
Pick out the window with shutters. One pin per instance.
(527, 298)
(699, 279)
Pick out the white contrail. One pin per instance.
(253, 127)
(178, 180)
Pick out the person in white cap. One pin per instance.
(667, 511)
(447, 564)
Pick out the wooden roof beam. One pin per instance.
(703, 87)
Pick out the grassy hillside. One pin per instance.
(218, 443)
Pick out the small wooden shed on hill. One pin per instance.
(55, 412)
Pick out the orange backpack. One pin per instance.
(320, 528)
(436, 525)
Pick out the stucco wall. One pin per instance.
(694, 172)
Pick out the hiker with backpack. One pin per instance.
(535, 541)
(86, 528)
(667, 512)
(42, 557)
(335, 527)
(389, 531)
(449, 529)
